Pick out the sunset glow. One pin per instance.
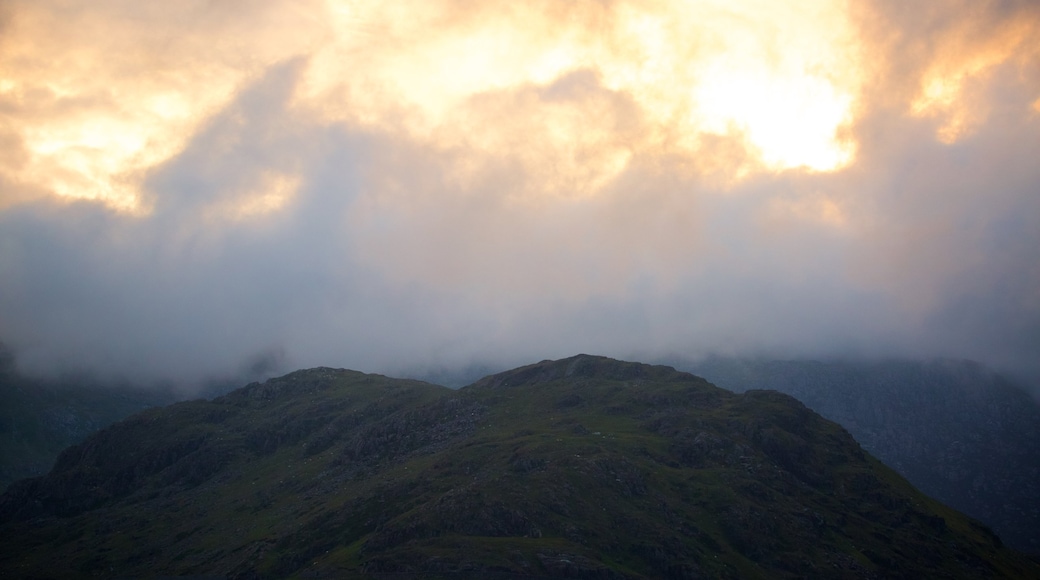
(784, 79)
(450, 181)
(657, 78)
(968, 57)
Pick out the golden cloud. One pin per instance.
(965, 54)
(569, 94)
(782, 78)
(98, 94)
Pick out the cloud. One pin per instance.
(197, 189)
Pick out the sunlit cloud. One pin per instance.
(270, 192)
(359, 183)
(99, 97)
(783, 78)
(966, 55)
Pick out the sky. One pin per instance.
(193, 190)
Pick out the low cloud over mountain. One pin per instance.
(188, 189)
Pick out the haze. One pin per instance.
(191, 189)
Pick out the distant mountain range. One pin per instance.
(581, 468)
(957, 431)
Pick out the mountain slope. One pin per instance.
(585, 467)
(38, 419)
(958, 432)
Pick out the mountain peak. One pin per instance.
(582, 366)
(586, 467)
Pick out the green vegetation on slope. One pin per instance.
(956, 431)
(585, 467)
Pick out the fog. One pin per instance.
(209, 190)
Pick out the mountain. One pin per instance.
(583, 468)
(957, 431)
(40, 418)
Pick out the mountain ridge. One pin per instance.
(956, 430)
(583, 467)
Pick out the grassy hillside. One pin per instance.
(958, 432)
(585, 467)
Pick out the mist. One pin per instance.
(259, 228)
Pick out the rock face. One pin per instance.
(956, 431)
(581, 468)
